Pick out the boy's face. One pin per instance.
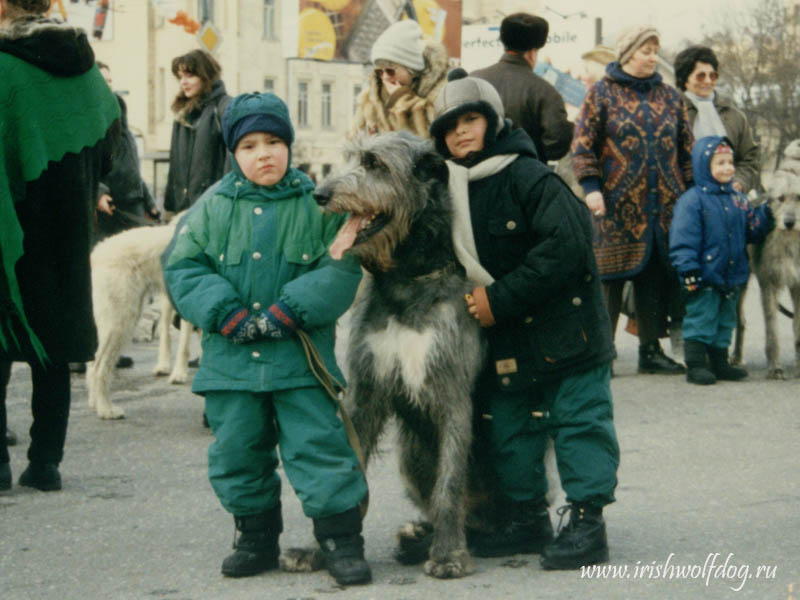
(722, 168)
(466, 135)
(262, 157)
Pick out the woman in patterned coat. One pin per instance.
(632, 155)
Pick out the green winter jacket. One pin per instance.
(245, 245)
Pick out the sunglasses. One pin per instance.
(389, 72)
(701, 76)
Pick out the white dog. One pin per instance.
(126, 270)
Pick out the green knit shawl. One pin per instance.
(42, 118)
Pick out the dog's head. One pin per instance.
(387, 184)
(784, 200)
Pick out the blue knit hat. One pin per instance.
(256, 112)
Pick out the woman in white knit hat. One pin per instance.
(408, 75)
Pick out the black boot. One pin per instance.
(5, 477)
(581, 542)
(42, 476)
(257, 548)
(339, 537)
(526, 530)
(653, 360)
(722, 368)
(695, 353)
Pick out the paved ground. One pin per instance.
(708, 476)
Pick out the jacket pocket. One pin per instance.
(561, 339)
(303, 254)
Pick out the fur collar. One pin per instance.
(52, 46)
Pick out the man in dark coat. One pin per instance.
(57, 123)
(529, 101)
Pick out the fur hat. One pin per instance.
(520, 32)
(256, 112)
(631, 39)
(463, 94)
(401, 43)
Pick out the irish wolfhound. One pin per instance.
(776, 264)
(414, 351)
(126, 269)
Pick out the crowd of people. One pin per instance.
(661, 174)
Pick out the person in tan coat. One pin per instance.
(409, 73)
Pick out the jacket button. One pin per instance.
(588, 278)
(533, 379)
(221, 257)
(256, 305)
(256, 255)
(258, 210)
(576, 301)
(511, 225)
(529, 320)
(506, 381)
(255, 354)
(295, 182)
(305, 256)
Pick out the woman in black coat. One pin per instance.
(198, 156)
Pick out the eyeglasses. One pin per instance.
(389, 72)
(701, 76)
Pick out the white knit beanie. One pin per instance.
(633, 38)
(401, 43)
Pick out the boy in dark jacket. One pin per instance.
(711, 226)
(526, 242)
(249, 265)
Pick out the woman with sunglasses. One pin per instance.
(713, 114)
(408, 74)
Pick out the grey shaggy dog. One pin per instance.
(414, 351)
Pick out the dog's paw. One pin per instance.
(413, 542)
(302, 560)
(161, 370)
(776, 373)
(179, 376)
(457, 563)
(110, 412)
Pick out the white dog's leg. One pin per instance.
(164, 345)
(98, 372)
(795, 291)
(180, 371)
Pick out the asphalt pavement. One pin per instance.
(708, 503)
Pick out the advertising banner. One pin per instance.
(346, 29)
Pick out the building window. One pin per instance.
(327, 101)
(205, 10)
(269, 85)
(302, 104)
(356, 94)
(269, 19)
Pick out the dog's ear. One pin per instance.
(430, 165)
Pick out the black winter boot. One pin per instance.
(695, 353)
(257, 548)
(339, 537)
(581, 542)
(653, 360)
(42, 476)
(526, 530)
(5, 477)
(722, 368)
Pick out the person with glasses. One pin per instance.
(632, 155)
(409, 73)
(710, 113)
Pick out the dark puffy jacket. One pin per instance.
(197, 156)
(534, 236)
(712, 224)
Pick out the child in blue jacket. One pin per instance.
(711, 226)
(249, 265)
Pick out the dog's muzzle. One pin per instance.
(322, 196)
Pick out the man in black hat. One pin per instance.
(529, 101)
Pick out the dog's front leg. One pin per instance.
(164, 345)
(795, 291)
(449, 556)
(180, 370)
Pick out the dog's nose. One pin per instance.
(321, 196)
(789, 222)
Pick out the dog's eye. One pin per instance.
(370, 161)
(781, 198)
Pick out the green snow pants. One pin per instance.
(302, 422)
(577, 413)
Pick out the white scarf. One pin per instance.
(463, 237)
(707, 121)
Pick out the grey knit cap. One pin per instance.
(633, 38)
(459, 96)
(401, 43)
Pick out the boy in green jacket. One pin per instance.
(249, 265)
